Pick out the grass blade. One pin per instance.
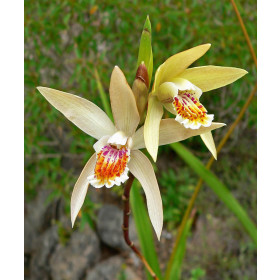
(218, 187)
(103, 95)
(144, 230)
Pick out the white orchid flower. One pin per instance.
(179, 89)
(117, 149)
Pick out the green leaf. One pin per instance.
(145, 49)
(144, 230)
(86, 219)
(150, 66)
(174, 268)
(66, 19)
(218, 187)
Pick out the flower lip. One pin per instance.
(111, 167)
(190, 112)
(184, 97)
(113, 155)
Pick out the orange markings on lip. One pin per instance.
(188, 107)
(111, 163)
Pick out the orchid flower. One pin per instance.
(117, 149)
(179, 89)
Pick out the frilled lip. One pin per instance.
(111, 166)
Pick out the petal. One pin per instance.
(138, 139)
(170, 131)
(212, 77)
(123, 103)
(151, 126)
(170, 108)
(156, 83)
(208, 140)
(177, 63)
(83, 113)
(80, 189)
(142, 169)
(101, 143)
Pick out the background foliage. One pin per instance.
(66, 40)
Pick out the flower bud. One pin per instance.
(140, 88)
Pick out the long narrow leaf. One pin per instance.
(174, 268)
(144, 230)
(218, 187)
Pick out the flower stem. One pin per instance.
(244, 32)
(126, 213)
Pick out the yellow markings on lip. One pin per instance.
(111, 164)
(190, 109)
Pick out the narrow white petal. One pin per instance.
(83, 113)
(142, 169)
(138, 139)
(209, 142)
(123, 103)
(80, 188)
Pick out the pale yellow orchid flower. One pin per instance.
(117, 148)
(178, 89)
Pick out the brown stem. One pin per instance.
(244, 32)
(126, 213)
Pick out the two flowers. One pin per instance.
(176, 88)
